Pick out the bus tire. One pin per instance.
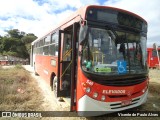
(35, 73)
(54, 87)
(51, 80)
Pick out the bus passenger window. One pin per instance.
(47, 40)
(154, 53)
(56, 50)
(45, 50)
(52, 49)
(54, 38)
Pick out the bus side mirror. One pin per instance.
(83, 34)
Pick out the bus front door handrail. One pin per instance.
(67, 53)
(66, 69)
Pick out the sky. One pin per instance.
(41, 16)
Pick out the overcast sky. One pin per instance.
(40, 16)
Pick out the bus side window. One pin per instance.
(52, 49)
(154, 53)
(54, 37)
(46, 50)
(56, 49)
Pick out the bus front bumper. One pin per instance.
(91, 107)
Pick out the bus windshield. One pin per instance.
(104, 49)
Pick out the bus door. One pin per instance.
(67, 64)
(64, 64)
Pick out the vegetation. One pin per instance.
(18, 91)
(16, 43)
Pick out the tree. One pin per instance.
(1, 47)
(27, 41)
(16, 43)
(28, 38)
(15, 33)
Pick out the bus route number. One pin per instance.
(89, 82)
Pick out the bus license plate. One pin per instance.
(127, 102)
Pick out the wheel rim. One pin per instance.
(55, 87)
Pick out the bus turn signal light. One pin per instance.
(84, 84)
(95, 95)
(103, 98)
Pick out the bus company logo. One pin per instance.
(113, 91)
(129, 94)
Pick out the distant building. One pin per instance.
(11, 60)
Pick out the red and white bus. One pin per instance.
(152, 57)
(98, 58)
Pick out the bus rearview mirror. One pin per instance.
(83, 34)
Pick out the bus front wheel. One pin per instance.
(54, 86)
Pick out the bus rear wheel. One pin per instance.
(35, 73)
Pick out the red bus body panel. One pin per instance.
(152, 60)
(44, 67)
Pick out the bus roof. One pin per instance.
(118, 9)
(81, 14)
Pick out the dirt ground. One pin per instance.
(51, 103)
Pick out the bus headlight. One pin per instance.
(88, 89)
(95, 95)
(103, 98)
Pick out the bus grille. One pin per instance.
(123, 82)
(118, 105)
